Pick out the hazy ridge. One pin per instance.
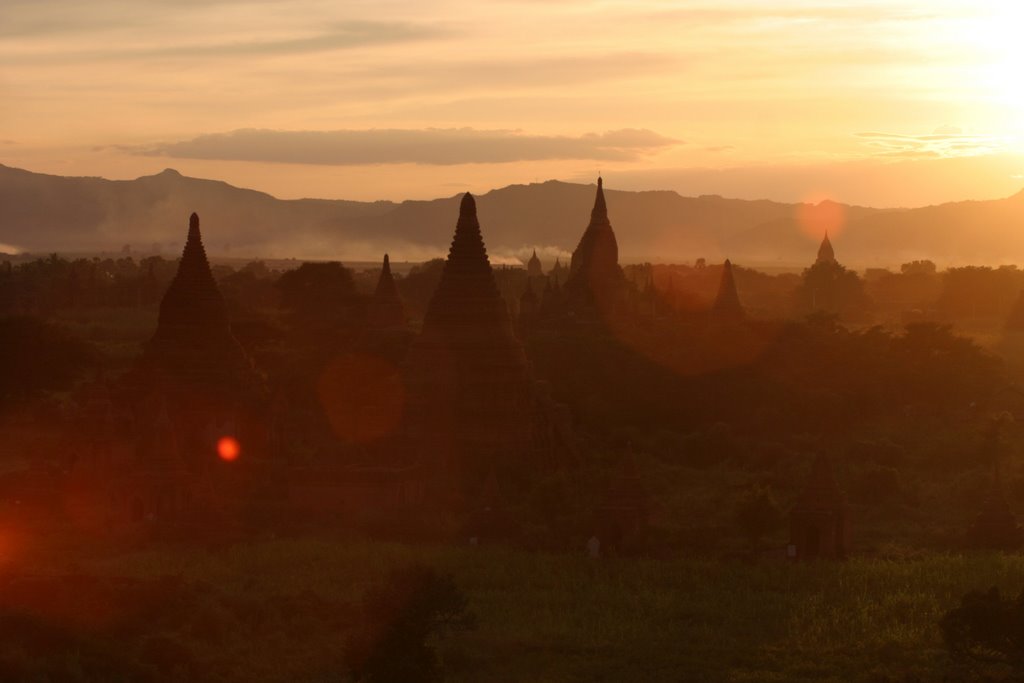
(43, 213)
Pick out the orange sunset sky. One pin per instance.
(892, 103)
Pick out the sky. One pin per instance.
(881, 103)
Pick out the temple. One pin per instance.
(386, 311)
(196, 369)
(727, 304)
(468, 377)
(826, 254)
(533, 267)
(193, 347)
(473, 407)
(819, 522)
(595, 278)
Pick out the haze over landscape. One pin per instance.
(92, 214)
(625, 341)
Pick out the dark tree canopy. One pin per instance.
(37, 356)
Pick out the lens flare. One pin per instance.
(820, 216)
(228, 448)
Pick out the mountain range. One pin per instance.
(46, 213)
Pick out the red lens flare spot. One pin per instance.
(228, 448)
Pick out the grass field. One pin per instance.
(550, 617)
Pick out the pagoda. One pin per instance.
(386, 311)
(533, 267)
(195, 364)
(727, 304)
(826, 254)
(595, 278)
(193, 345)
(469, 384)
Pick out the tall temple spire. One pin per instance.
(192, 299)
(386, 309)
(599, 214)
(193, 342)
(826, 254)
(467, 375)
(594, 272)
(467, 289)
(533, 266)
(727, 303)
(386, 282)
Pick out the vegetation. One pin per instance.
(282, 610)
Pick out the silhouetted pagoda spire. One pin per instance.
(192, 299)
(468, 378)
(533, 266)
(826, 254)
(467, 291)
(193, 343)
(386, 309)
(727, 303)
(594, 272)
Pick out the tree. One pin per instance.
(318, 293)
(986, 629)
(36, 356)
(399, 616)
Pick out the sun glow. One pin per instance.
(996, 39)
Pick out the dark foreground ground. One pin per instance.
(282, 610)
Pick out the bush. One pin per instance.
(399, 616)
(986, 629)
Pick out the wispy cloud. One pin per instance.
(945, 141)
(437, 146)
(337, 36)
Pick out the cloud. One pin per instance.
(340, 35)
(945, 141)
(436, 146)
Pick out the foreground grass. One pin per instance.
(566, 618)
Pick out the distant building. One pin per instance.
(194, 363)
(472, 401)
(826, 254)
(727, 304)
(596, 283)
(559, 272)
(386, 311)
(819, 522)
(533, 267)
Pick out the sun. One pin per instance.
(996, 38)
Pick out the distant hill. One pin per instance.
(44, 213)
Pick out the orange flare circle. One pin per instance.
(228, 448)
